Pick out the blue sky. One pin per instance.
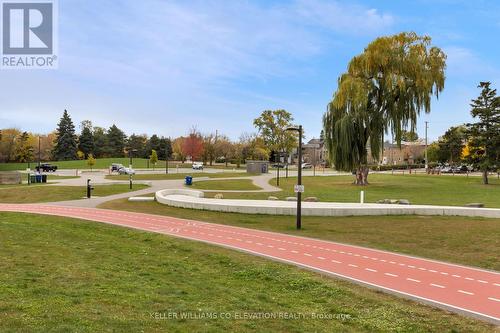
(154, 66)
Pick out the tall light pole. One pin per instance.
(299, 188)
(39, 153)
(426, 161)
(166, 160)
(130, 166)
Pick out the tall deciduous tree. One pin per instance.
(451, 144)
(384, 89)
(272, 125)
(484, 135)
(193, 145)
(153, 159)
(65, 145)
(23, 150)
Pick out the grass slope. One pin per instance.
(65, 275)
(419, 189)
(44, 193)
(462, 240)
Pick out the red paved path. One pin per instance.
(457, 288)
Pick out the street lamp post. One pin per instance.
(299, 181)
(130, 166)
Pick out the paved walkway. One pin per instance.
(465, 290)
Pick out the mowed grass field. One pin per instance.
(44, 193)
(105, 163)
(226, 185)
(419, 189)
(65, 275)
(174, 175)
(461, 240)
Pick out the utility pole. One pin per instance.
(39, 153)
(426, 161)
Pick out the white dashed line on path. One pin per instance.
(414, 280)
(437, 285)
(390, 274)
(465, 292)
(371, 270)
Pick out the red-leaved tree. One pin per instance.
(193, 145)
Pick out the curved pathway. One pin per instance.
(456, 288)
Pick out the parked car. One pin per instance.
(306, 166)
(46, 167)
(278, 165)
(116, 166)
(197, 165)
(126, 171)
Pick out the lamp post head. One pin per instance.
(292, 128)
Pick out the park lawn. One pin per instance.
(172, 175)
(65, 275)
(226, 185)
(44, 193)
(462, 240)
(419, 189)
(105, 163)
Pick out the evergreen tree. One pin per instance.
(65, 145)
(101, 147)
(138, 143)
(116, 141)
(153, 144)
(165, 148)
(86, 140)
(485, 134)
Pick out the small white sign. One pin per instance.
(299, 188)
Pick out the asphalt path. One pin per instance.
(461, 289)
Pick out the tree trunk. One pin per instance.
(485, 176)
(361, 176)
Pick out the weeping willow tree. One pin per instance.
(384, 90)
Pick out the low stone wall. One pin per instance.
(10, 178)
(195, 200)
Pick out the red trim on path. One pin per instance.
(457, 288)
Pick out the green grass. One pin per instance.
(64, 275)
(419, 189)
(162, 176)
(105, 163)
(44, 193)
(462, 240)
(226, 185)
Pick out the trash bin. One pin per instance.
(189, 180)
(44, 178)
(32, 179)
(38, 178)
